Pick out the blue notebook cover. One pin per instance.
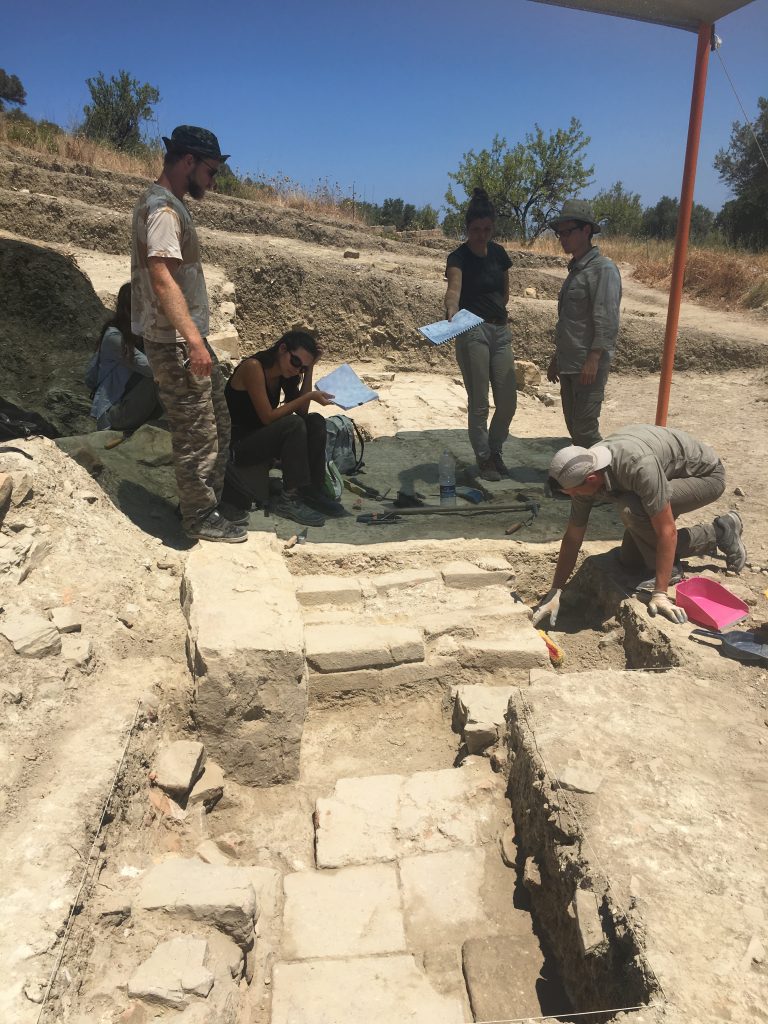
(444, 330)
(346, 387)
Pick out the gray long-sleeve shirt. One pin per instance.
(588, 311)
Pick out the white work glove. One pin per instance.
(660, 604)
(548, 605)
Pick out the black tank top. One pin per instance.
(244, 417)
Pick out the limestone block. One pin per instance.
(76, 650)
(341, 649)
(210, 853)
(334, 590)
(403, 579)
(374, 990)
(220, 896)
(209, 788)
(362, 902)
(508, 847)
(22, 488)
(501, 974)
(324, 684)
(351, 254)
(246, 644)
(228, 290)
(177, 767)
(442, 893)
(32, 636)
(386, 817)
(591, 936)
(531, 874)
(527, 374)
(480, 735)
(478, 703)
(174, 970)
(227, 309)
(523, 650)
(467, 576)
(579, 777)
(65, 619)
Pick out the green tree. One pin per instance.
(619, 212)
(525, 183)
(742, 166)
(11, 90)
(119, 107)
(660, 221)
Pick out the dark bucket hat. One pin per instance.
(575, 209)
(198, 141)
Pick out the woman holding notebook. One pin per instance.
(478, 280)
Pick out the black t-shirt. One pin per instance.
(482, 280)
(241, 411)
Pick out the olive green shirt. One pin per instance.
(588, 311)
(643, 461)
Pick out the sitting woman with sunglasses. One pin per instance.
(269, 395)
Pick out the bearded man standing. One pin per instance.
(169, 310)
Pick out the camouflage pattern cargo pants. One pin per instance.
(200, 427)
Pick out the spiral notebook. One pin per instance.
(444, 330)
(346, 387)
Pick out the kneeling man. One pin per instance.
(652, 475)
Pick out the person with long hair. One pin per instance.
(119, 375)
(478, 280)
(269, 395)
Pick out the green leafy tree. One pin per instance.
(660, 221)
(526, 183)
(119, 107)
(11, 90)
(619, 212)
(744, 219)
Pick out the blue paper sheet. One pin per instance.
(346, 387)
(445, 330)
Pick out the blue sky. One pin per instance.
(389, 96)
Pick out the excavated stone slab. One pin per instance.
(677, 826)
(373, 990)
(362, 902)
(178, 765)
(468, 576)
(175, 970)
(387, 817)
(403, 579)
(247, 649)
(66, 619)
(477, 703)
(334, 590)
(220, 896)
(342, 649)
(501, 973)
(483, 620)
(327, 684)
(32, 636)
(525, 649)
(209, 788)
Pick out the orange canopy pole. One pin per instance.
(683, 222)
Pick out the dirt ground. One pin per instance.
(96, 533)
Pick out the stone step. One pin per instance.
(388, 817)
(435, 673)
(333, 648)
(478, 714)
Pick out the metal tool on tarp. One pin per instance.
(394, 516)
(742, 645)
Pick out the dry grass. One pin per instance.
(719, 277)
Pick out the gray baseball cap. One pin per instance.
(571, 466)
(576, 209)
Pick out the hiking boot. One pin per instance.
(236, 516)
(648, 586)
(323, 503)
(290, 507)
(498, 463)
(728, 530)
(215, 527)
(488, 470)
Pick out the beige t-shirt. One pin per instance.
(163, 226)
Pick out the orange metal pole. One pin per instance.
(683, 222)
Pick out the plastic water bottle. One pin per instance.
(446, 474)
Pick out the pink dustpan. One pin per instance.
(709, 603)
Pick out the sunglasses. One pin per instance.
(566, 232)
(296, 363)
(213, 171)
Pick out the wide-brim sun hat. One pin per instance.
(187, 138)
(576, 209)
(571, 466)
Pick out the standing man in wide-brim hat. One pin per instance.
(587, 325)
(169, 310)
